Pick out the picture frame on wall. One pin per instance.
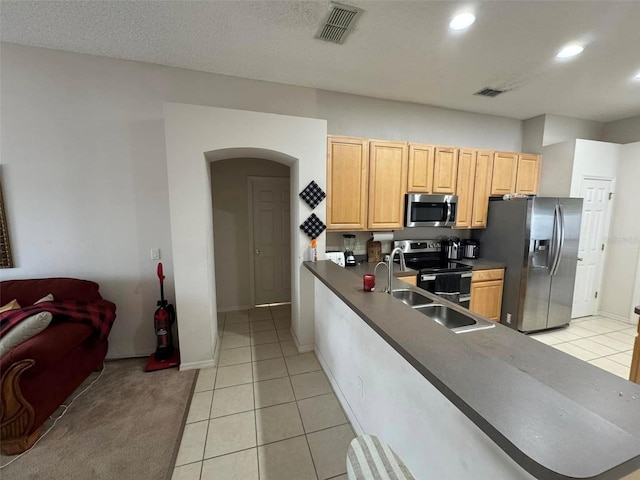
(6, 259)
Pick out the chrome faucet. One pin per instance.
(403, 266)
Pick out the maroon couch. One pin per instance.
(39, 374)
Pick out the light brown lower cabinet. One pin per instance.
(486, 293)
(412, 280)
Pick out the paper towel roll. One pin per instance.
(383, 236)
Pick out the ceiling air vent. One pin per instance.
(338, 23)
(489, 92)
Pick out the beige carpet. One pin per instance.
(127, 426)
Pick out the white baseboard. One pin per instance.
(302, 348)
(121, 356)
(341, 398)
(236, 308)
(197, 365)
(615, 317)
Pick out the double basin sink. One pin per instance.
(452, 319)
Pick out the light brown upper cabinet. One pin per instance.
(347, 183)
(465, 187)
(420, 177)
(505, 167)
(528, 174)
(388, 164)
(445, 170)
(481, 189)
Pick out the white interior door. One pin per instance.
(271, 240)
(595, 225)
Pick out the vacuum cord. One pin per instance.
(65, 407)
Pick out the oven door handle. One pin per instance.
(465, 298)
(426, 278)
(466, 275)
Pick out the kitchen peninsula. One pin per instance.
(485, 404)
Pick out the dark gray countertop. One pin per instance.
(481, 264)
(555, 415)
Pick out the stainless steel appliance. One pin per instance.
(430, 210)
(349, 241)
(452, 248)
(538, 240)
(449, 279)
(470, 248)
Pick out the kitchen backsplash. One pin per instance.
(334, 239)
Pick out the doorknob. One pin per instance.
(580, 259)
(257, 251)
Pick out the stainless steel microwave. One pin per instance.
(430, 210)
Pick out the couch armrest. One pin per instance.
(16, 413)
(48, 346)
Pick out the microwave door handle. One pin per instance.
(446, 222)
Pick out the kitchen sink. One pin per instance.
(411, 297)
(452, 319)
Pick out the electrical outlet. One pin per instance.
(155, 254)
(360, 387)
(508, 318)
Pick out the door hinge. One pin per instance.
(610, 195)
(596, 295)
(602, 247)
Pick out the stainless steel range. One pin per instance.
(447, 278)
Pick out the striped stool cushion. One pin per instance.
(370, 459)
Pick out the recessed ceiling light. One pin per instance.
(570, 51)
(462, 21)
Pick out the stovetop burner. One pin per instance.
(426, 256)
(437, 265)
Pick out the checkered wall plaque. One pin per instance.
(312, 195)
(313, 226)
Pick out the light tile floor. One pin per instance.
(603, 342)
(266, 412)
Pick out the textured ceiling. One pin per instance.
(400, 50)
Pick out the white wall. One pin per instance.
(558, 128)
(533, 134)
(397, 404)
(622, 131)
(230, 192)
(597, 159)
(557, 169)
(82, 143)
(623, 246)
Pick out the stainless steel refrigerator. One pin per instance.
(538, 240)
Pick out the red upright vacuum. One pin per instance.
(165, 356)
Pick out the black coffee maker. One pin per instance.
(452, 248)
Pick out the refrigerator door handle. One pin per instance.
(559, 239)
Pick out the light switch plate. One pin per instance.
(155, 254)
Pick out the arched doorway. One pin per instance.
(196, 136)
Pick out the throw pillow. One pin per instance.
(23, 331)
(12, 305)
(46, 298)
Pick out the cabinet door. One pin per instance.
(464, 187)
(486, 299)
(420, 177)
(347, 183)
(445, 170)
(505, 166)
(482, 189)
(528, 174)
(387, 184)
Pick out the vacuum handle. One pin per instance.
(160, 273)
